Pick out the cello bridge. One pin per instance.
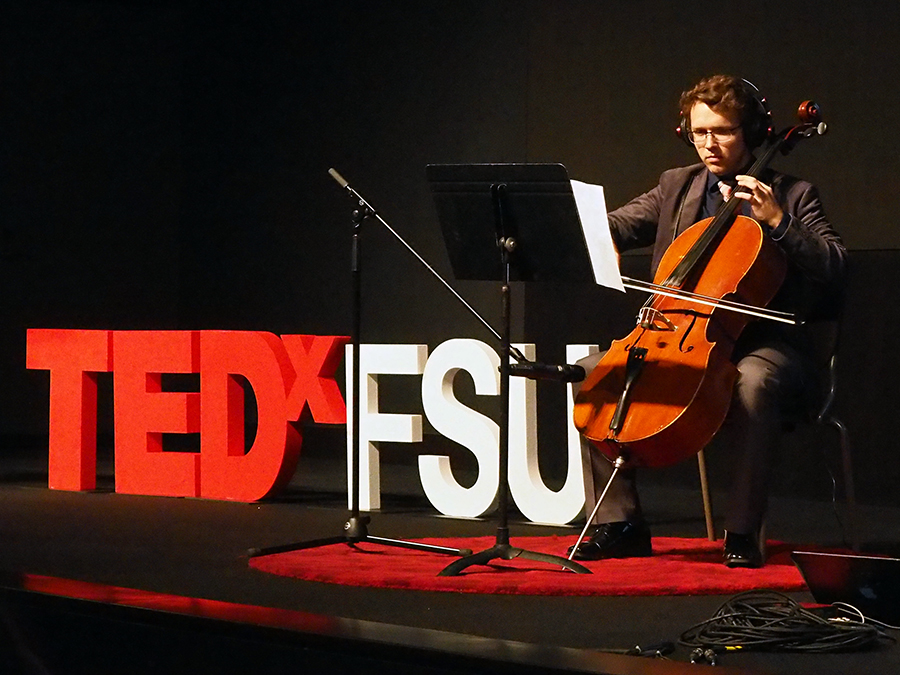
(650, 318)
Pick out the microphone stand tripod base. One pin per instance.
(355, 532)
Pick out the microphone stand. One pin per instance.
(356, 526)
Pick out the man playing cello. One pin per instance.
(724, 119)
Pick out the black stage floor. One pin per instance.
(197, 549)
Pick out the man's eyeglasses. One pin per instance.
(720, 135)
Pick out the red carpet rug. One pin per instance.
(677, 567)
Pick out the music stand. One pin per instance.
(504, 222)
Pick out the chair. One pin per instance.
(825, 346)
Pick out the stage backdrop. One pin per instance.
(163, 165)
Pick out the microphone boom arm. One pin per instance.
(515, 353)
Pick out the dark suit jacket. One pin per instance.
(817, 258)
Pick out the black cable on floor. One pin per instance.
(770, 621)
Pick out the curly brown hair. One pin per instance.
(729, 94)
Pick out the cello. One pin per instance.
(660, 394)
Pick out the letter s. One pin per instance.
(467, 427)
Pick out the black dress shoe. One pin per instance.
(742, 550)
(615, 540)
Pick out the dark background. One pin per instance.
(163, 165)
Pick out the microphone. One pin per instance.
(339, 178)
(546, 371)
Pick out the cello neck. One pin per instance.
(706, 242)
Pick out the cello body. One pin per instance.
(660, 394)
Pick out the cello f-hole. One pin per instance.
(686, 333)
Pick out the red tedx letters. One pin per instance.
(289, 376)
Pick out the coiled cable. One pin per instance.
(770, 621)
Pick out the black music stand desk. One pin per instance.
(504, 222)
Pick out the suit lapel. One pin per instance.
(693, 198)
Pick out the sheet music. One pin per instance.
(592, 211)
